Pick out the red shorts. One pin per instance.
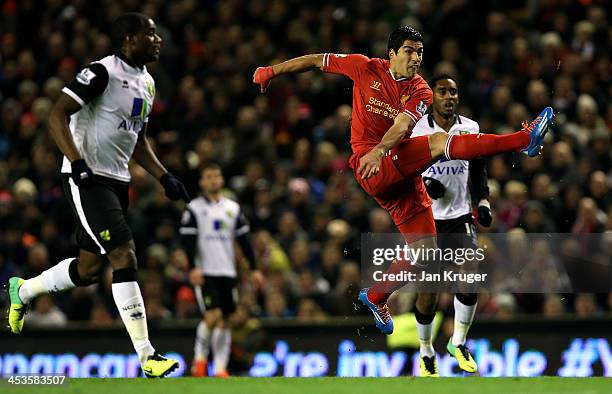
(398, 187)
(421, 225)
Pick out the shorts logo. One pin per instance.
(375, 85)
(85, 76)
(105, 235)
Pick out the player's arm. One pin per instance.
(369, 164)
(263, 75)
(87, 85)
(146, 157)
(189, 242)
(480, 190)
(189, 235)
(404, 122)
(241, 235)
(59, 118)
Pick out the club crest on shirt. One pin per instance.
(404, 98)
(421, 108)
(150, 88)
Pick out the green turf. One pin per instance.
(471, 385)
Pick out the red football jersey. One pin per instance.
(377, 98)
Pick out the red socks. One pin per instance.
(383, 289)
(471, 146)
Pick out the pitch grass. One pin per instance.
(471, 385)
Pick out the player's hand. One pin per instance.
(195, 277)
(369, 164)
(484, 213)
(434, 187)
(258, 279)
(174, 188)
(82, 175)
(262, 77)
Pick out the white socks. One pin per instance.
(464, 315)
(221, 340)
(53, 280)
(202, 342)
(132, 311)
(425, 333)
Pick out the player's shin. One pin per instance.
(380, 291)
(425, 332)
(472, 146)
(130, 304)
(221, 344)
(202, 342)
(61, 277)
(465, 308)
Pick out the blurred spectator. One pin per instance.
(286, 151)
(46, 314)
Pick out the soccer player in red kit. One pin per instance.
(389, 97)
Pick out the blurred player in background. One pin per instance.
(99, 122)
(389, 98)
(209, 229)
(447, 184)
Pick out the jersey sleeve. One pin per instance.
(88, 84)
(242, 225)
(349, 65)
(418, 102)
(189, 235)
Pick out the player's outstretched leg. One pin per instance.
(380, 310)
(61, 277)
(470, 146)
(465, 307)
(427, 363)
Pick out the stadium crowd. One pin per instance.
(284, 153)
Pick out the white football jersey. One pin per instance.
(217, 224)
(106, 128)
(453, 174)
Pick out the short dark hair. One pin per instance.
(439, 77)
(401, 34)
(126, 25)
(211, 166)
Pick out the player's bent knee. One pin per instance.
(437, 143)
(123, 257)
